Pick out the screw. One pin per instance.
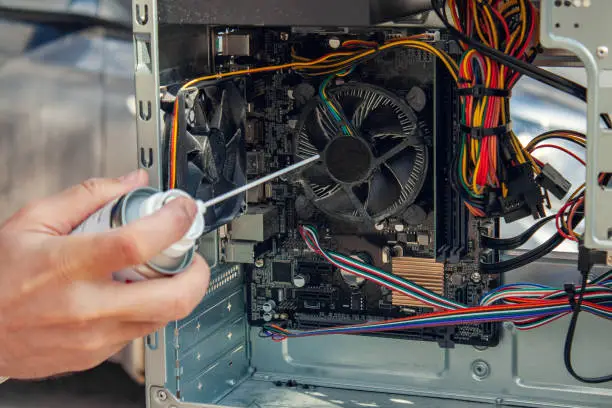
(231, 382)
(284, 36)
(260, 263)
(480, 369)
(499, 401)
(162, 395)
(476, 277)
(609, 259)
(509, 326)
(602, 51)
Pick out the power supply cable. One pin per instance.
(569, 338)
(530, 256)
(523, 67)
(504, 244)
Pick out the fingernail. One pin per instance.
(190, 207)
(131, 178)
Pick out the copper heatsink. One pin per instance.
(422, 271)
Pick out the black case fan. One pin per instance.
(372, 175)
(211, 149)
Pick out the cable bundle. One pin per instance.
(527, 305)
(495, 174)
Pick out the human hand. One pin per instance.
(60, 310)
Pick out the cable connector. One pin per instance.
(551, 180)
(587, 258)
(524, 195)
(432, 36)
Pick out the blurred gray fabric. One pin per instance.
(66, 114)
(66, 111)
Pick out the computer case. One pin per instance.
(215, 358)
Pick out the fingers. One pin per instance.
(90, 255)
(162, 300)
(61, 213)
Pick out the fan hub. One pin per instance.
(348, 159)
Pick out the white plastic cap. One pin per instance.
(157, 201)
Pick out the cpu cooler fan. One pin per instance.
(211, 150)
(373, 174)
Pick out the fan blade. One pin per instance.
(338, 202)
(388, 152)
(386, 135)
(402, 167)
(201, 119)
(193, 181)
(327, 122)
(218, 115)
(318, 176)
(384, 192)
(194, 141)
(348, 102)
(231, 158)
(369, 104)
(313, 133)
(230, 112)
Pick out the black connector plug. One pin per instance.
(551, 180)
(525, 196)
(587, 258)
(492, 206)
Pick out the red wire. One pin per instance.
(563, 149)
(560, 214)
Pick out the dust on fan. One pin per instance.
(211, 152)
(375, 173)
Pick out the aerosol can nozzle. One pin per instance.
(157, 201)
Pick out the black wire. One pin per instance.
(527, 257)
(514, 242)
(569, 341)
(523, 259)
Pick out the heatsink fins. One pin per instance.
(422, 271)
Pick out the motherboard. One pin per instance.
(380, 193)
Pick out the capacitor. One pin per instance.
(269, 306)
(280, 294)
(386, 255)
(299, 281)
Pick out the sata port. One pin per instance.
(310, 304)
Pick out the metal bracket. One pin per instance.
(148, 123)
(583, 27)
(162, 398)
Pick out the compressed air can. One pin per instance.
(138, 204)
